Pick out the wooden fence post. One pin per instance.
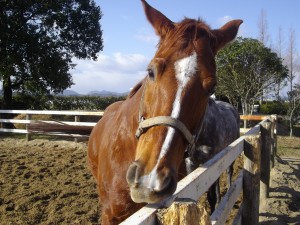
(183, 211)
(252, 149)
(274, 139)
(28, 135)
(77, 119)
(265, 161)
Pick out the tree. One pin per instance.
(262, 24)
(293, 94)
(279, 51)
(246, 68)
(291, 59)
(263, 36)
(294, 107)
(38, 41)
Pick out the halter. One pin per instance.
(166, 121)
(169, 122)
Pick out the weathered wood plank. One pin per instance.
(274, 119)
(265, 161)
(254, 131)
(28, 135)
(227, 202)
(252, 150)
(54, 112)
(48, 121)
(14, 121)
(19, 131)
(253, 117)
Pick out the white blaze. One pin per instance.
(185, 69)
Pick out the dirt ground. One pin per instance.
(283, 204)
(48, 182)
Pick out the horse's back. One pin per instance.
(229, 109)
(219, 128)
(101, 131)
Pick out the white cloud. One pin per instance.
(118, 72)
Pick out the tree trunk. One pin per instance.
(245, 112)
(7, 100)
(7, 92)
(291, 122)
(291, 127)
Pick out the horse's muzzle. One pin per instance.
(150, 188)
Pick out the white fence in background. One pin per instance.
(28, 121)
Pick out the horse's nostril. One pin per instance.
(132, 175)
(164, 184)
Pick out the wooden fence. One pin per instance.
(257, 145)
(74, 128)
(258, 149)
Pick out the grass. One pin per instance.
(288, 146)
(297, 130)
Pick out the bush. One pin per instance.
(51, 102)
(274, 107)
(82, 102)
(40, 102)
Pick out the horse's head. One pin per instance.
(181, 77)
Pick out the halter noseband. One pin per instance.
(163, 121)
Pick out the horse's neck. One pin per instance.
(210, 110)
(131, 110)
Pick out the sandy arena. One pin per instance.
(48, 182)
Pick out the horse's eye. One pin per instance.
(150, 73)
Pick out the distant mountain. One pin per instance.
(105, 93)
(69, 93)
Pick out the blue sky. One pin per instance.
(130, 42)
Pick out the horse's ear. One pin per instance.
(226, 33)
(159, 21)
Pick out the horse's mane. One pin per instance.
(186, 31)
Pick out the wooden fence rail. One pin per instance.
(58, 127)
(74, 128)
(252, 182)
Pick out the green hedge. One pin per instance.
(274, 107)
(62, 102)
(82, 102)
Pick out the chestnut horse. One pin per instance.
(137, 149)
